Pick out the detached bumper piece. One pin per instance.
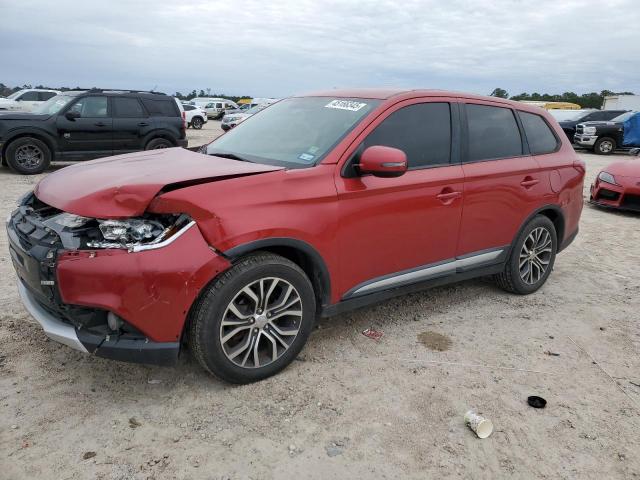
(114, 347)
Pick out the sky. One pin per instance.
(278, 48)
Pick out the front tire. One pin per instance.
(532, 257)
(604, 146)
(254, 319)
(28, 156)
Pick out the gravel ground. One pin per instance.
(352, 407)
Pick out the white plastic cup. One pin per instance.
(482, 427)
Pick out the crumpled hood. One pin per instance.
(123, 186)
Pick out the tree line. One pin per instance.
(5, 91)
(586, 100)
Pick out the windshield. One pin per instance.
(15, 95)
(53, 105)
(624, 117)
(295, 132)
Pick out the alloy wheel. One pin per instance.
(535, 255)
(261, 322)
(29, 156)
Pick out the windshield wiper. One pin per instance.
(231, 156)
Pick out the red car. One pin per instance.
(314, 206)
(618, 186)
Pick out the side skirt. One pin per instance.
(485, 262)
(353, 303)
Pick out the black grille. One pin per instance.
(610, 195)
(631, 202)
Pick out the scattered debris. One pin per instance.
(481, 426)
(14, 427)
(292, 449)
(536, 402)
(133, 423)
(88, 455)
(373, 333)
(552, 354)
(602, 329)
(154, 381)
(434, 341)
(336, 446)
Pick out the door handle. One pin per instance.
(447, 196)
(100, 124)
(529, 182)
(143, 124)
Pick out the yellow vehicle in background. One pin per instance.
(553, 105)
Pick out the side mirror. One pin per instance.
(72, 115)
(383, 162)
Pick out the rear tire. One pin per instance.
(158, 143)
(604, 146)
(28, 156)
(532, 257)
(196, 122)
(254, 319)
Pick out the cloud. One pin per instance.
(283, 47)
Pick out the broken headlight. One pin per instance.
(137, 234)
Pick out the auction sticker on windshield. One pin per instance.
(345, 105)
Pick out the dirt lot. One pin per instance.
(351, 407)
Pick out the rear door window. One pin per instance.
(161, 108)
(422, 131)
(126, 107)
(492, 133)
(539, 135)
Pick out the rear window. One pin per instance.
(161, 108)
(125, 107)
(493, 133)
(188, 108)
(539, 135)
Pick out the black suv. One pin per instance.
(87, 124)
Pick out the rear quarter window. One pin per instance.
(492, 133)
(161, 108)
(539, 135)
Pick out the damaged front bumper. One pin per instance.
(73, 293)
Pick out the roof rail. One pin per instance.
(107, 90)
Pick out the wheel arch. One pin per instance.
(553, 213)
(298, 251)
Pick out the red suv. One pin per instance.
(314, 206)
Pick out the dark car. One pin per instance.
(87, 124)
(602, 137)
(569, 125)
(314, 206)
